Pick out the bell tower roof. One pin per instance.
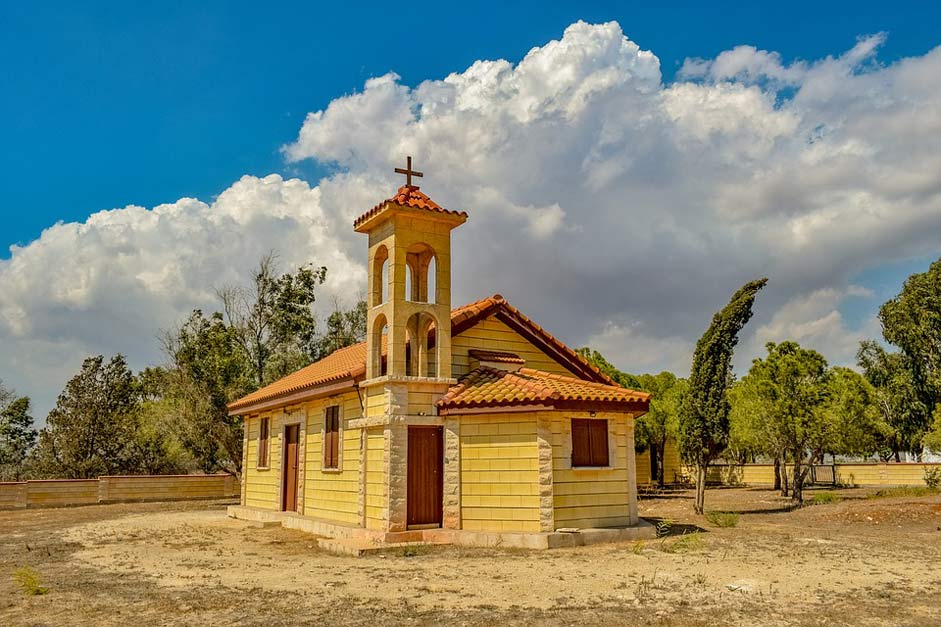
(408, 199)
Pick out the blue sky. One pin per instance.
(114, 103)
(631, 164)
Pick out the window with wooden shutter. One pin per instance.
(264, 442)
(331, 437)
(589, 442)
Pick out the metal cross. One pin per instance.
(408, 172)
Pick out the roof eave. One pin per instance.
(636, 408)
(305, 394)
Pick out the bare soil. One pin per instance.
(856, 562)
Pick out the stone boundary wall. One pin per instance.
(115, 489)
(853, 474)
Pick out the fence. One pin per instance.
(863, 474)
(115, 489)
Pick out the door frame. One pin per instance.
(295, 418)
(439, 429)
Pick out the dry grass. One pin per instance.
(168, 564)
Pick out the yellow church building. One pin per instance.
(473, 425)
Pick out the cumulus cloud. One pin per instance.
(614, 208)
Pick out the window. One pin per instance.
(589, 442)
(264, 429)
(331, 437)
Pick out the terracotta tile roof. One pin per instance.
(345, 363)
(496, 356)
(350, 362)
(491, 387)
(410, 197)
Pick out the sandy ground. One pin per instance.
(857, 562)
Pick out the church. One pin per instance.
(471, 425)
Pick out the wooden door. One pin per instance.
(289, 474)
(425, 486)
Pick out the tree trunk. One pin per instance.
(785, 488)
(659, 452)
(898, 459)
(700, 505)
(797, 490)
(777, 474)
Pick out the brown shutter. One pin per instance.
(331, 441)
(599, 442)
(263, 430)
(581, 443)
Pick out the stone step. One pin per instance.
(358, 548)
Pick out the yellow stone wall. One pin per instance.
(331, 494)
(590, 497)
(261, 485)
(491, 334)
(499, 472)
(377, 487)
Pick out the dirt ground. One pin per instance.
(860, 561)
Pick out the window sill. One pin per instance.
(262, 467)
(331, 471)
(592, 468)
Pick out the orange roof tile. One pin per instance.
(491, 387)
(350, 363)
(413, 198)
(496, 356)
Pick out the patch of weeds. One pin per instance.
(664, 527)
(722, 519)
(29, 581)
(700, 580)
(415, 550)
(824, 498)
(638, 546)
(684, 544)
(903, 491)
(933, 477)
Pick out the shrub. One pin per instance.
(933, 477)
(664, 527)
(29, 581)
(722, 519)
(687, 542)
(823, 498)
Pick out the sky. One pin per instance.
(625, 167)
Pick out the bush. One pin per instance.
(687, 542)
(664, 527)
(29, 581)
(903, 491)
(933, 477)
(823, 498)
(722, 519)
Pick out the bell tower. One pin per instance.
(409, 295)
(408, 362)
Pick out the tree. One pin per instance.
(749, 436)
(912, 321)
(597, 360)
(704, 415)
(853, 411)
(273, 320)
(661, 422)
(17, 436)
(896, 395)
(209, 370)
(89, 431)
(344, 328)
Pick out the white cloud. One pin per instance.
(610, 206)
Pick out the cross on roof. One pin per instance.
(409, 173)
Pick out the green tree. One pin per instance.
(17, 436)
(852, 409)
(90, 430)
(661, 422)
(898, 399)
(704, 415)
(912, 321)
(273, 319)
(749, 437)
(343, 328)
(209, 370)
(792, 384)
(597, 360)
